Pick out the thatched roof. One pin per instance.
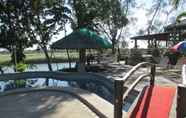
(82, 39)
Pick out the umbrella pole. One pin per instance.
(81, 65)
(69, 60)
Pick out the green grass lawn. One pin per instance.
(4, 58)
(39, 57)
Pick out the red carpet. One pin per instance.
(155, 102)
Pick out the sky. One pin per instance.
(141, 23)
(142, 19)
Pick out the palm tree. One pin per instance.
(181, 15)
(176, 3)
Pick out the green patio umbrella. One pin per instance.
(82, 39)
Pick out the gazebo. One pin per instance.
(177, 30)
(152, 37)
(82, 39)
(176, 26)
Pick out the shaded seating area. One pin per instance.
(152, 38)
(177, 31)
(82, 39)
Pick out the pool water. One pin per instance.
(35, 82)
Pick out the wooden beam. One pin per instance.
(118, 98)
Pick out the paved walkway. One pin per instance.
(43, 105)
(53, 104)
(163, 77)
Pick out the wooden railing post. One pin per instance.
(153, 72)
(47, 81)
(181, 101)
(118, 98)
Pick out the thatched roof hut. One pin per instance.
(82, 39)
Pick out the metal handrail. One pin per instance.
(119, 91)
(134, 84)
(135, 68)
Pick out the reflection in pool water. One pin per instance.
(39, 82)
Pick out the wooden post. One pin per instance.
(181, 101)
(155, 43)
(135, 43)
(82, 59)
(153, 72)
(118, 98)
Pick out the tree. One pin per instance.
(12, 33)
(114, 20)
(46, 19)
(176, 3)
(181, 16)
(154, 23)
(24, 23)
(86, 12)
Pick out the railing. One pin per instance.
(120, 94)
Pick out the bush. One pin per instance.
(21, 67)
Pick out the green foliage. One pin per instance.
(34, 18)
(176, 3)
(20, 83)
(115, 16)
(12, 19)
(29, 22)
(21, 67)
(92, 14)
(180, 16)
(87, 13)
